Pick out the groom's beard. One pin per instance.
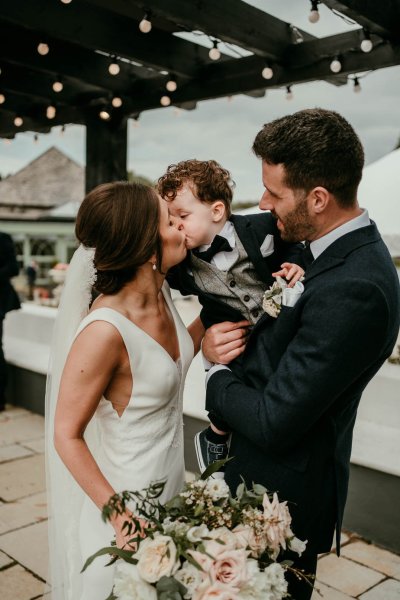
(297, 224)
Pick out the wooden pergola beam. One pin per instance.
(98, 29)
(378, 16)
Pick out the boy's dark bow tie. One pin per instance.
(219, 244)
(307, 255)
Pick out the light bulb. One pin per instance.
(2, 98)
(289, 93)
(116, 102)
(66, 1)
(58, 86)
(145, 24)
(214, 53)
(336, 66)
(366, 45)
(18, 121)
(313, 17)
(171, 85)
(165, 100)
(43, 49)
(114, 68)
(357, 86)
(103, 114)
(50, 112)
(267, 73)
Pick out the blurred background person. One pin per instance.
(31, 274)
(8, 300)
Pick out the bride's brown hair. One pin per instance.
(121, 221)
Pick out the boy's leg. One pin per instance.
(212, 444)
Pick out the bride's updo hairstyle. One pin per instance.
(120, 221)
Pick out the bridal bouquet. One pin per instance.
(202, 544)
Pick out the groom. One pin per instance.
(292, 400)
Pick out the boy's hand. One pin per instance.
(291, 272)
(225, 341)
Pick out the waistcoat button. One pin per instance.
(246, 298)
(255, 313)
(232, 283)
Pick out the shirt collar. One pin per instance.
(228, 232)
(318, 246)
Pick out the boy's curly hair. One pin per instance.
(209, 181)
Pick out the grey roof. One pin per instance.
(50, 180)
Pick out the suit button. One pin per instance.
(246, 298)
(255, 313)
(232, 283)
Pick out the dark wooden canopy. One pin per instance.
(84, 35)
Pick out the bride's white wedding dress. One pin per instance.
(145, 443)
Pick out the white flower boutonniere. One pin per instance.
(279, 294)
(272, 299)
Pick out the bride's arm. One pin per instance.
(94, 357)
(196, 330)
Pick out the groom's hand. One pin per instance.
(223, 342)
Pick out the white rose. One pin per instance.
(216, 489)
(196, 534)
(128, 585)
(275, 582)
(215, 591)
(297, 545)
(157, 557)
(190, 577)
(224, 535)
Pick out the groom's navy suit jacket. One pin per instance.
(292, 401)
(251, 230)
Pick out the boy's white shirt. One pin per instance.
(224, 260)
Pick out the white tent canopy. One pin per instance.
(379, 193)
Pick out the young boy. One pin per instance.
(232, 260)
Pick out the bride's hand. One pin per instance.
(122, 537)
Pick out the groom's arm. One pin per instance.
(341, 334)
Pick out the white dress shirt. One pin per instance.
(224, 260)
(318, 246)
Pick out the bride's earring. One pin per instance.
(154, 267)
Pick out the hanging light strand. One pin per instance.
(145, 24)
(313, 17)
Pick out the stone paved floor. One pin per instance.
(364, 571)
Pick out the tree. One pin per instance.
(139, 179)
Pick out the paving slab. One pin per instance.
(18, 584)
(388, 590)
(22, 477)
(327, 593)
(346, 576)
(13, 451)
(29, 548)
(5, 560)
(381, 560)
(344, 538)
(13, 412)
(14, 515)
(24, 428)
(37, 446)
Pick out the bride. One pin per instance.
(114, 396)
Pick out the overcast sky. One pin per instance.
(224, 130)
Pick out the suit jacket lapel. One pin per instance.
(250, 243)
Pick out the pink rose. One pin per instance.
(229, 568)
(215, 591)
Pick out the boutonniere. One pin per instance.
(272, 299)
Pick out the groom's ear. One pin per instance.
(319, 199)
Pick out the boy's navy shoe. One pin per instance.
(208, 452)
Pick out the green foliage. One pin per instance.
(139, 179)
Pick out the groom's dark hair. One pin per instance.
(316, 147)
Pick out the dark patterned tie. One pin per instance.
(219, 244)
(307, 255)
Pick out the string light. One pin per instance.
(357, 86)
(313, 17)
(43, 49)
(145, 24)
(366, 44)
(165, 100)
(336, 65)
(58, 86)
(296, 35)
(214, 53)
(113, 67)
(62, 130)
(35, 138)
(51, 112)
(18, 121)
(171, 84)
(289, 93)
(2, 98)
(267, 72)
(66, 1)
(104, 115)
(116, 102)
